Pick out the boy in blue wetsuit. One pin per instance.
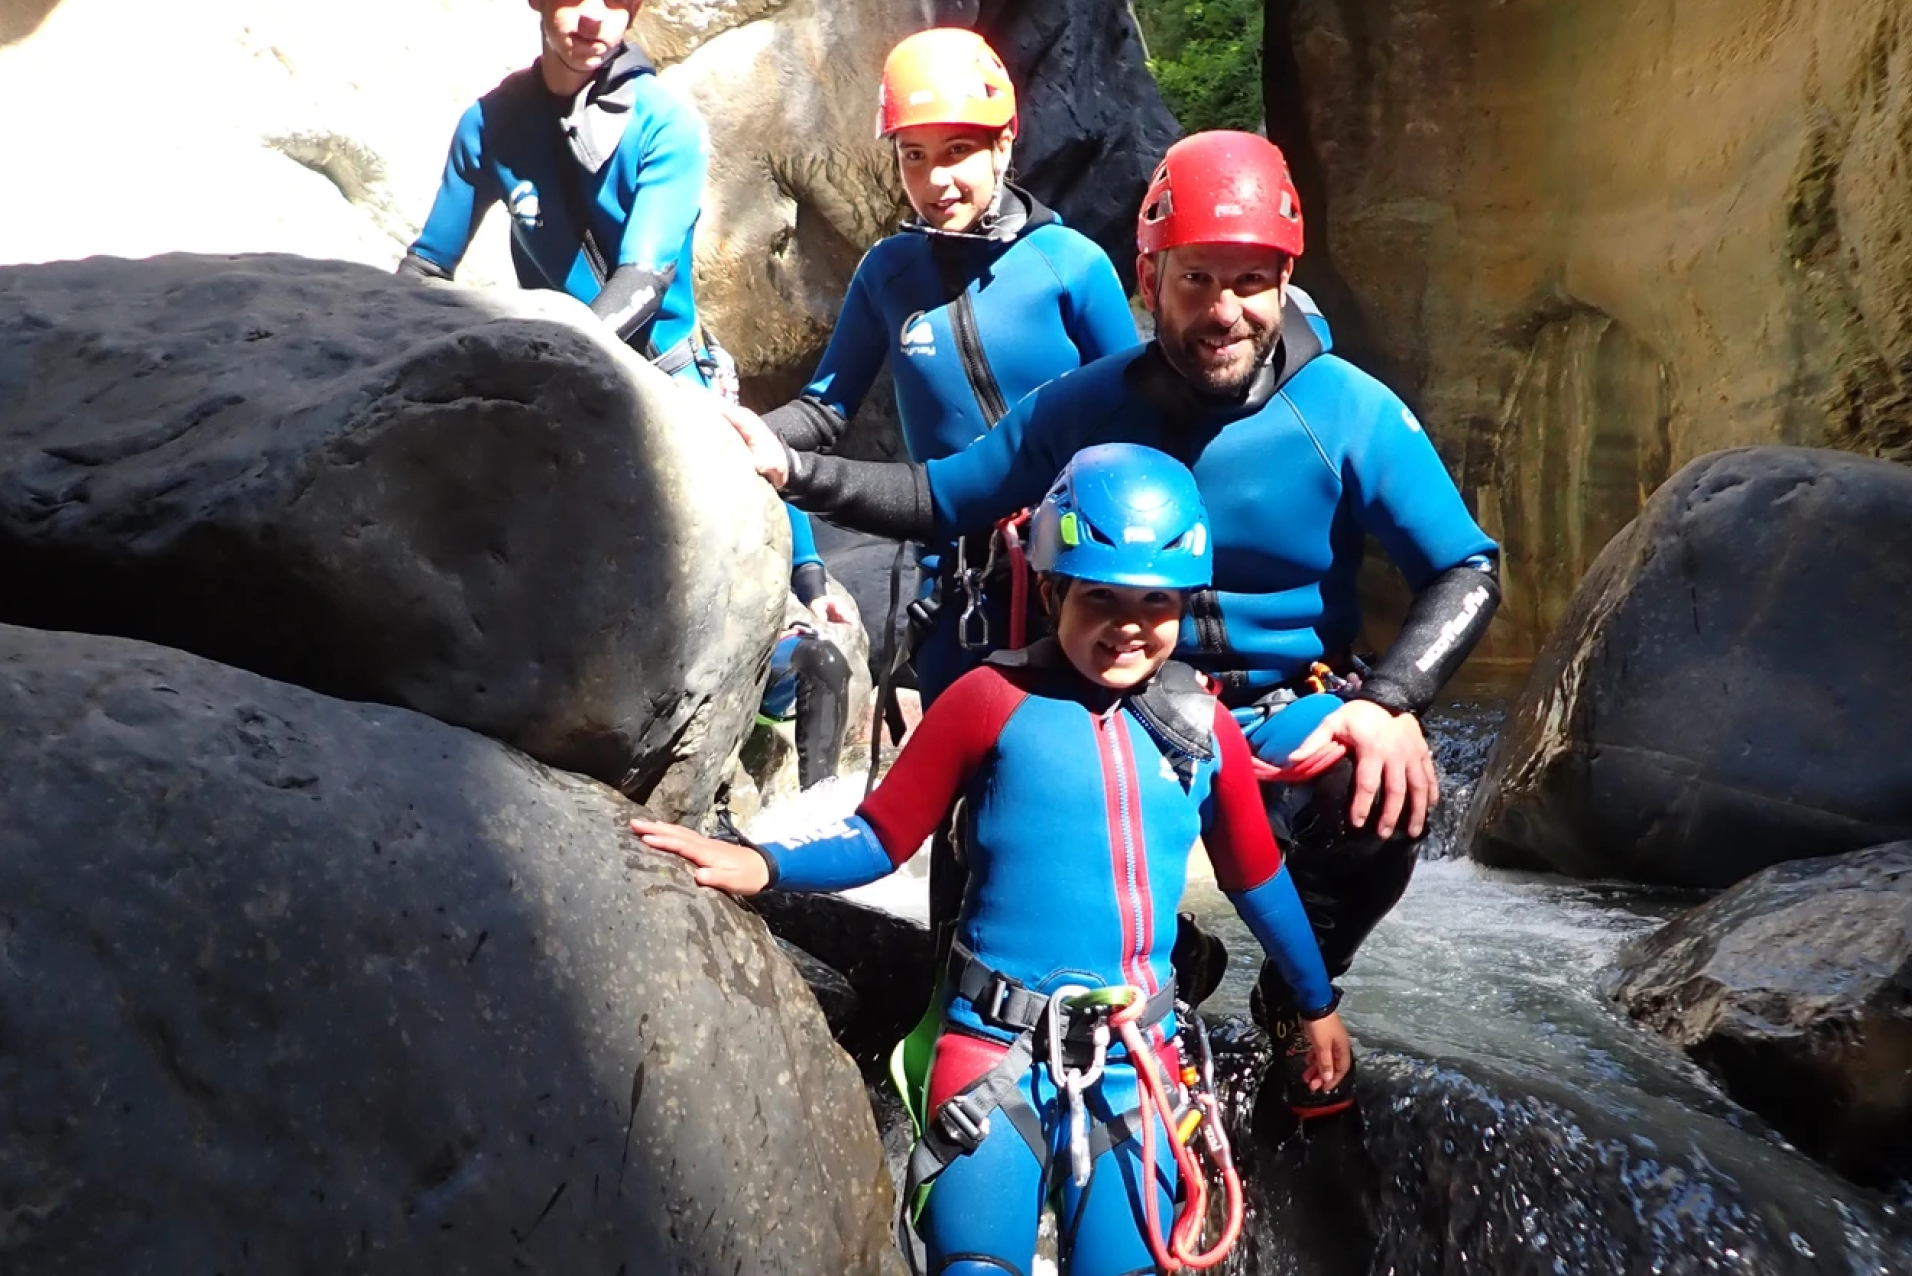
(601, 168)
(1300, 457)
(1089, 764)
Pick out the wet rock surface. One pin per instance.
(337, 987)
(1725, 692)
(1452, 1168)
(1795, 989)
(475, 506)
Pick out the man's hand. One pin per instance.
(1391, 758)
(736, 869)
(767, 452)
(829, 609)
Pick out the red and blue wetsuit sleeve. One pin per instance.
(1250, 871)
(944, 751)
(468, 189)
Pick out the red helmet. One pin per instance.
(1221, 188)
(945, 75)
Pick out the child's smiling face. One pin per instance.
(1116, 636)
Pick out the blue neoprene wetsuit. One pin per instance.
(1007, 309)
(1080, 824)
(627, 152)
(632, 161)
(1293, 487)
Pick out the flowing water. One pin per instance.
(1477, 1002)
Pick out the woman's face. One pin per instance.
(950, 171)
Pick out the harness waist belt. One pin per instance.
(674, 360)
(1238, 693)
(1002, 1002)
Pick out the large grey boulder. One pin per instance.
(1795, 989)
(472, 504)
(1728, 689)
(292, 985)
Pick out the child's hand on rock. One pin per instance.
(721, 865)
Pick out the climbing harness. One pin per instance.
(1073, 1023)
(1073, 1083)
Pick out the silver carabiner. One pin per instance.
(974, 619)
(1075, 1082)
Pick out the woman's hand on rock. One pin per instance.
(722, 865)
(767, 453)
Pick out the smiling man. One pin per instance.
(1299, 457)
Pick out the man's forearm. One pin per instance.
(882, 498)
(1446, 622)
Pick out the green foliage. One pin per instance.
(1205, 56)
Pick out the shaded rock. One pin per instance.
(1727, 690)
(1461, 1169)
(889, 961)
(833, 992)
(476, 506)
(336, 987)
(1795, 989)
(1093, 124)
(1732, 269)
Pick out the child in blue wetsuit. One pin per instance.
(601, 168)
(1089, 764)
(979, 300)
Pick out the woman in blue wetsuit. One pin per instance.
(1090, 763)
(980, 299)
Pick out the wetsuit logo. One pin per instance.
(523, 203)
(917, 337)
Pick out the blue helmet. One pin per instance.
(1124, 514)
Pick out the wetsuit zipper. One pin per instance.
(969, 342)
(1131, 872)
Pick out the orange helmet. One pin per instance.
(1221, 187)
(945, 75)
